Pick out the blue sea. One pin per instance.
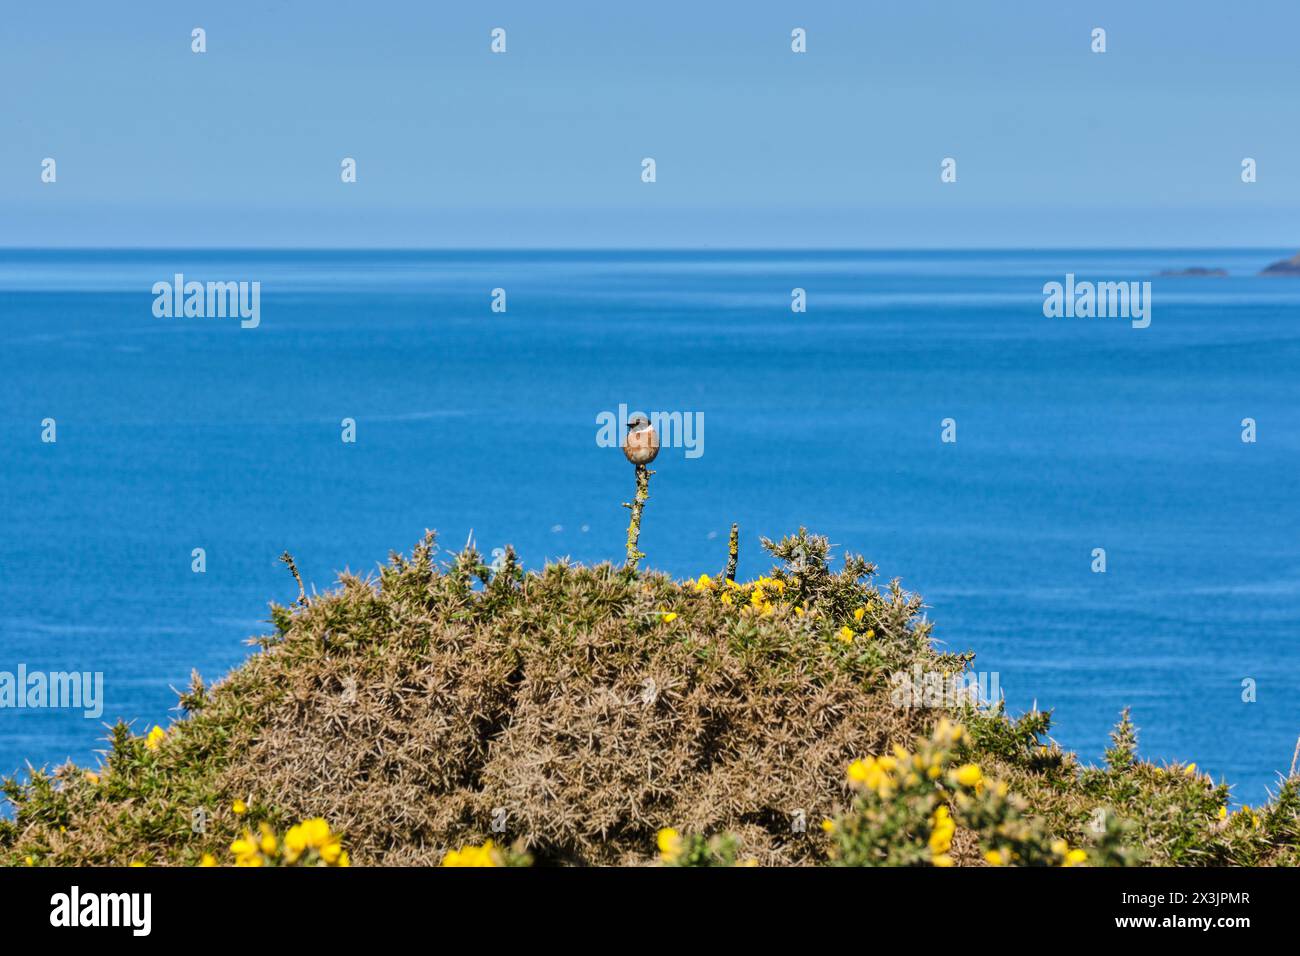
(1072, 434)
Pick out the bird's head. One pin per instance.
(637, 421)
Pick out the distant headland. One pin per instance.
(1284, 267)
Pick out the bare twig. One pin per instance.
(733, 551)
(287, 558)
(1294, 757)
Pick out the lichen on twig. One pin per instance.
(733, 551)
(634, 525)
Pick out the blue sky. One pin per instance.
(1056, 145)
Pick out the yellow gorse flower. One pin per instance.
(266, 849)
(244, 846)
(333, 853)
(247, 851)
(1069, 857)
(968, 775)
(845, 636)
(761, 592)
(670, 844)
(155, 738)
(873, 774)
(311, 834)
(942, 828)
(480, 856)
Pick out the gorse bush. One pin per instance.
(907, 807)
(443, 710)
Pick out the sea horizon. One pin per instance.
(616, 249)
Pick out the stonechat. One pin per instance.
(642, 443)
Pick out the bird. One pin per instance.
(642, 442)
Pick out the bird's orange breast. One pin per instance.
(641, 446)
